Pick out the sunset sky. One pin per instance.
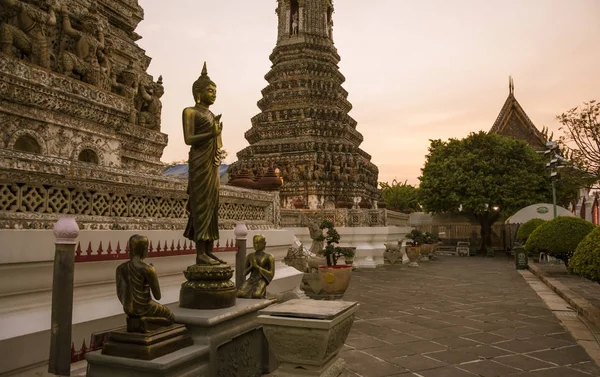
(415, 70)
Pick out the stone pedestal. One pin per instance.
(236, 343)
(307, 335)
(148, 345)
(208, 287)
(186, 362)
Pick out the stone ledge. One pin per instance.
(580, 304)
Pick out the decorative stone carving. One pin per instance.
(304, 128)
(66, 231)
(28, 36)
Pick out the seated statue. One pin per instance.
(136, 282)
(261, 267)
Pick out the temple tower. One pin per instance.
(304, 129)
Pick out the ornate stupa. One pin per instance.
(304, 129)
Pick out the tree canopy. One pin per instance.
(400, 196)
(484, 176)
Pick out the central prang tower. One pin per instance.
(304, 129)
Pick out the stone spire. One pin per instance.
(304, 128)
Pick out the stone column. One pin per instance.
(65, 232)
(241, 232)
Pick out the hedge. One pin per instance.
(527, 228)
(559, 237)
(586, 259)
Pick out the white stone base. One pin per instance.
(369, 241)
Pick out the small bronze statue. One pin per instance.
(136, 282)
(202, 132)
(261, 267)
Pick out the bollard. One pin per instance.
(65, 232)
(240, 256)
(521, 258)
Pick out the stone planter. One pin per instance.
(413, 253)
(392, 257)
(426, 251)
(335, 279)
(306, 336)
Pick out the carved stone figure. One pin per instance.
(136, 283)
(106, 74)
(29, 36)
(316, 234)
(126, 85)
(261, 267)
(83, 63)
(295, 23)
(149, 115)
(202, 132)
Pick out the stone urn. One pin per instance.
(299, 204)
(335, 279)
(425, 252)
(242, 180)
(270, 182)
(364, 204)
(413, 253)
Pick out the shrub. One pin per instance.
(559, 237)
(586, 259)
(527, 228)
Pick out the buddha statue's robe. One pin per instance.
(135, 283)
(203, 181)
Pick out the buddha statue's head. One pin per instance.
(259, 242)
(138, 246)
(204, 89)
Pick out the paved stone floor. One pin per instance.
(457, 317)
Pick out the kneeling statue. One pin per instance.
(136, 283)
(261, 267)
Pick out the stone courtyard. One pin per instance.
(457, 317)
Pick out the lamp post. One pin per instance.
(555, 162)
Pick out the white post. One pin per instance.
(240, 232)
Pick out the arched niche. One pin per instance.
(88, 155)
(27, 143)
(294, 17)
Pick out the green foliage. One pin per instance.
(527, 228)
(420, 238)
(400, 196)
(480, 172)
(586, 259)
(331, 252)
(486, 175)
(559, 237)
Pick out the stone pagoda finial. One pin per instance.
(511, 85)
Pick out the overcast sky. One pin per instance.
(415, 70)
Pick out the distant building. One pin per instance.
(182, 171)
(514, 122)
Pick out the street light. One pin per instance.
(555, 161)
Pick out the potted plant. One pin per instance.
(428, 246)
(413, 247)
(349, 253)
(334, 278)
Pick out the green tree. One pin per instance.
(484, 176)
(400, 196)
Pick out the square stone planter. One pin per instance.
(306, 336)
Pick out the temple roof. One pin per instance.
(514, 122)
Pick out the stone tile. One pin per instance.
(484, 337)
(453, 356)
(366, 365)
(559, 372)
(520, 346)
(457, 342)
(365, 342)
(424, 346)
(588, 367)
(513, 333)
(448, 371)
(562, 356)
(417, 363)
(489, 368)
(394, 337)
(388, 353)
(523, 362)
(484, 351)
(549, 342)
